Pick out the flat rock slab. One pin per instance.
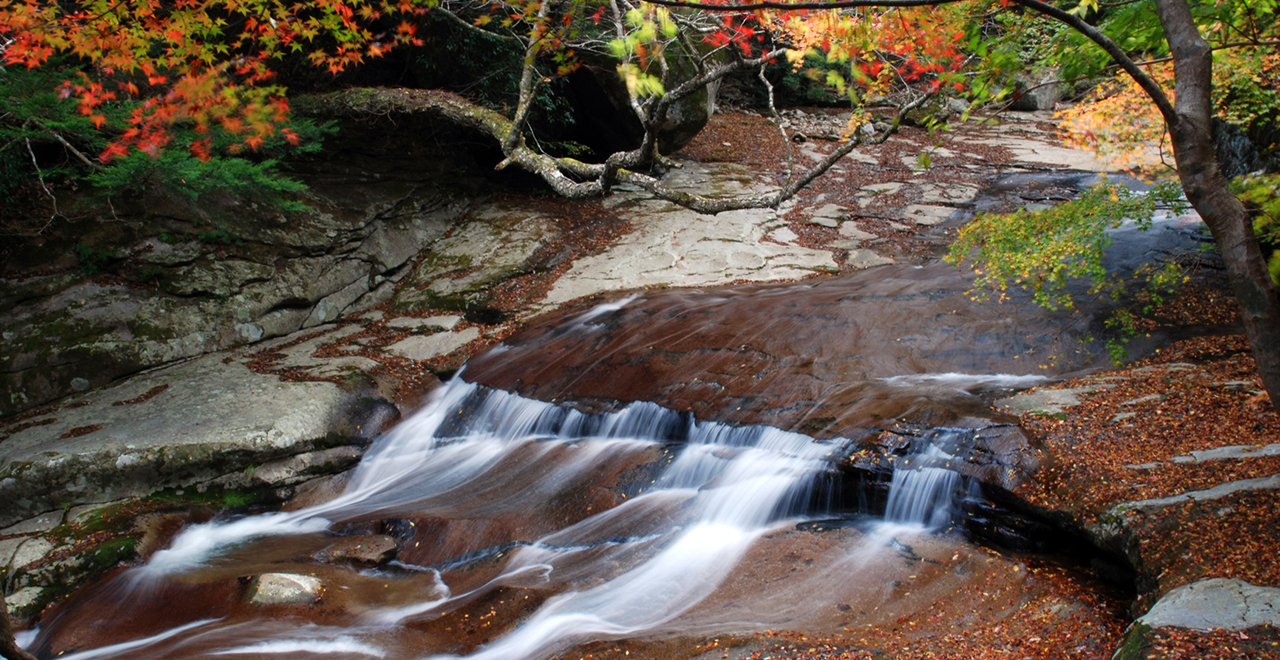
(426, 347)
(1217, 492)
(859, 258)
(42, 523)
(886, 188)
(672, 246)
(170, 427)
(1231, 452)
(302, 355)
(30, 552)
(948, 194)
(1044, 402)
(446, 322)
(927, 214)
(23, 598)
(1216, 604)
(783, 235)
(370, 550)
(850, 230)
(829, 215)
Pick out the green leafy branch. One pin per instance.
(1043, 251)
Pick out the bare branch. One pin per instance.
(777, 121)
(40, 177)
(67, 145)
(528, 81)
(1237, 44)
(457, 20)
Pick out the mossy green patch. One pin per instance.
(1135, 641)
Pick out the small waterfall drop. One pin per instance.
(474, 452)
(922, 496)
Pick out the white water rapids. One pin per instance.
(630, 569)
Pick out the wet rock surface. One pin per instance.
(371, 550)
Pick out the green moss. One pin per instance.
(112, 552)
(1135, 642)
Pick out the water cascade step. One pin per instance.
(635, 523)
(923, 496)
(474, 452)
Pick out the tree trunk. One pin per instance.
(8, 647)
(1191, 130)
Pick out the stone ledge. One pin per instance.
(1217, 603)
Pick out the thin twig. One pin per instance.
(45, 186)
(777, 121)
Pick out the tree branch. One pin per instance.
(588, 180)
(1237, 44)
(1117, 54)
(457, 20)
(713, 205)
(528, 82)
(8, 647)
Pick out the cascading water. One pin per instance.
(478, 452)
(922, 496)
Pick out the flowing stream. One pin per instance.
(702, 494)
(534, 527)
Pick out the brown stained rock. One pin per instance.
(370, 550)
(318, 491)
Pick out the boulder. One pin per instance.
(1217, 603)
(939, 109)
(202, 421)
(1040, 90)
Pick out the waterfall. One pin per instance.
(474, 452)
(922, 496)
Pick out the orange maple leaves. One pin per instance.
(209, 63)
(883, 49)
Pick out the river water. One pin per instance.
(662, 465)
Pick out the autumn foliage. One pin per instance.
(210, 64)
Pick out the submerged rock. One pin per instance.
(285, 589)
(371, 550)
